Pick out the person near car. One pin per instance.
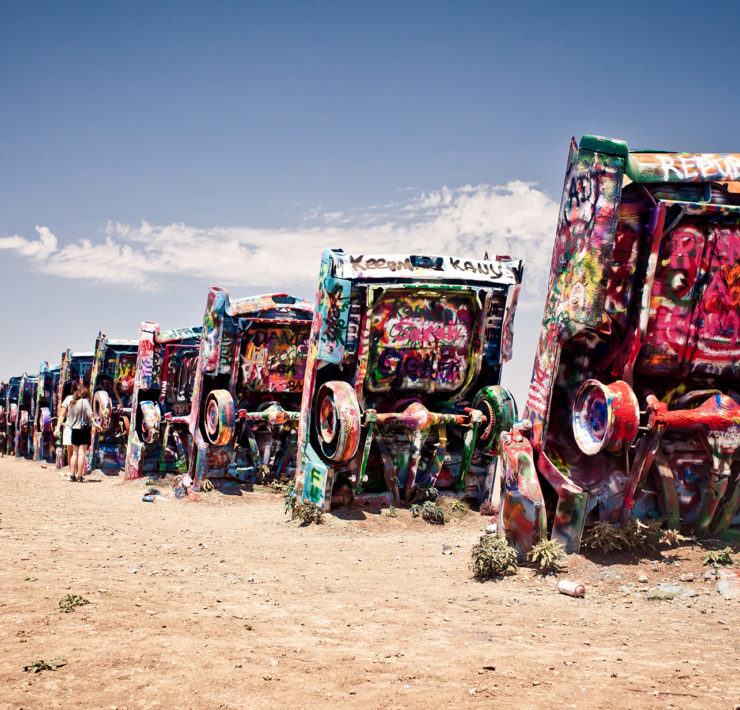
(78, 416)
(66, 430)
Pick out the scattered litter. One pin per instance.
(572, 589)
(491, 529)
(446, 549)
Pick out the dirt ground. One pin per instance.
(225, 603)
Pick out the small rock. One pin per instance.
(642, 579)
(535, 682)
(686, 577)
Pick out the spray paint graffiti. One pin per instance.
(401, 386)
(244, 410)
(274, 360)
(111, 387)
(418, 340)
(633, 404)
(158, 439)
(46, 413)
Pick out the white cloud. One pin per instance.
(515, 219)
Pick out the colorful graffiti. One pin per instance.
(416, 341)
(111, 386)
(273, 359)
(158, 437)
(633, 405)
(401, 388)
(46, 413)
(247, 386)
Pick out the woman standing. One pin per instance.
(78, 416)
(67, 435)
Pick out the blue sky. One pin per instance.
(155, 144)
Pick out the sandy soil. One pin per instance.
(224, 603)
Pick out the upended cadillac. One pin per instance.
(402, 378)
(633, 406)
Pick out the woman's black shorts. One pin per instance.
(81, 437)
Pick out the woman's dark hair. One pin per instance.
(81, 393)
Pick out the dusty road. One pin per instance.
(223, 603)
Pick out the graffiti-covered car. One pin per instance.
(3, 418)
(111, 388)
(633, 404)
(11, 412)
(74, 367)
(46, 412)
(159, 438)
(248, 388)
(402, 381)
(24, 425)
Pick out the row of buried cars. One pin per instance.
(391, 380)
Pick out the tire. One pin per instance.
(150, 421)
(499, 408)
(102, 409)
(338, 422)
(219, 417)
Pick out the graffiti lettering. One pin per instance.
(358, 263)
(699, 167)
(218, 458)
(419, 334)
(442, 367)
(353, 325)
(478, 267)
(273, 358)
(333, 330)
(275, 336)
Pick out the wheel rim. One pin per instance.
(498, 406)
(150, 421)
(219, 417)
(338, 421)
(604, 416)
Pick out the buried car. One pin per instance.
(74, 367)
(633, 406)
(248, 386)
(10, 402)
(24, 423)
(3, 418)
(46, 412)
(402, 380)
(111, 387)
(159, 437)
